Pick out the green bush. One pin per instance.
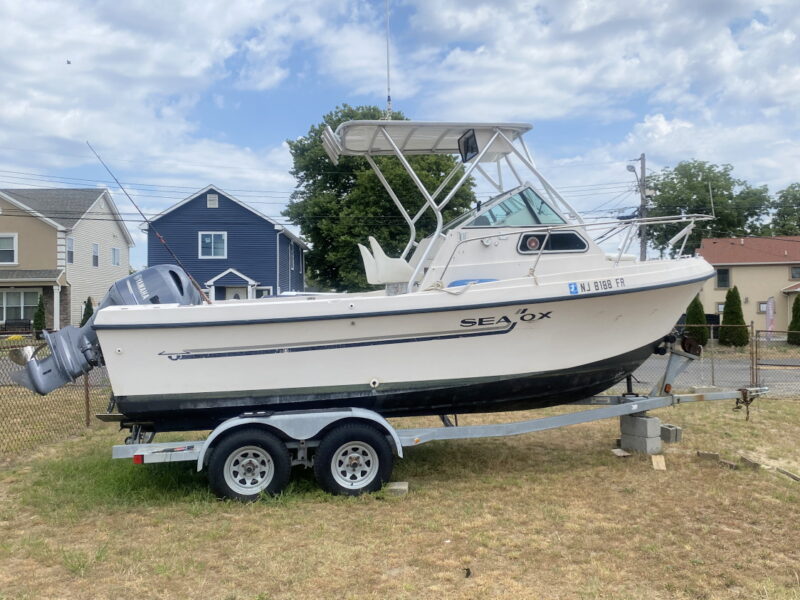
(88, 311)
(794, 326)
(38, 316)
(734, 331)
(696, 315)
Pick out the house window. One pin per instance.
(795, 272)
(115, 254)
(212, 201)
(263, 291)
(723, 278)
(762, 306)
(18, 304)
(70, 250)
(291, 255)
(95, 255)
(212, 244)
(8, 248)
(720, 307)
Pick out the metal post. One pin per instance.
(642, 209)
(713, 379)
(86, 404)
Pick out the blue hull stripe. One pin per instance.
(389, 313)
(223, 354)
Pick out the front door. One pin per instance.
(235, 293)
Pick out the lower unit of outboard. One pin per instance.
(75, 350)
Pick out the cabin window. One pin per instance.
(263, 291)
(212, 201)
(18, 304)
(795, 272)
(213, 244)
(70, 250)
(557, 241)
(523, 209)
(8, 248)
(291, 255)
(720, 307)
(115, 257)
(95, 255)
(762, 306)
(723, 278)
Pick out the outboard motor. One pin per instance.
(75, 350)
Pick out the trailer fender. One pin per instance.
(300, 425)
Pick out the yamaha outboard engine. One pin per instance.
(75, 350)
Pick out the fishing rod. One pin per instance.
(150, 226)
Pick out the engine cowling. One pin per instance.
(76, 350)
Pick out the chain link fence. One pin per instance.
(777, 363)
(28, 420)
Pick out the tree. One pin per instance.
(794, 327)
(88, 311)
(739, 208)
(734, 331)
(38, 317)
(339, 206)
(696, 315)
(786, 220)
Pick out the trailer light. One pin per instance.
(138, 459)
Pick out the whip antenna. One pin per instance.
(150, 226)
(388, 76)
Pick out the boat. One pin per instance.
(518, 304)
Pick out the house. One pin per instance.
(231, 249)
(64, 244)
(762, 268)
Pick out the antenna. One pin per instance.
(388, 115)
(150, 225)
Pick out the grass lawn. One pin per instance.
(546, 515)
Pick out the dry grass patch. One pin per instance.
(547, 515)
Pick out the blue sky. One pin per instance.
(178, 95)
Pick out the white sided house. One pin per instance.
(64, 244)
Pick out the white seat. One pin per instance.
(370, 269)
(381, 269)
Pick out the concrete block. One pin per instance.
(728, 464)
(645, 445)
(640, 426)
(397, 488)
(671, 434)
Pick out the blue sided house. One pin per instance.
(231, 249)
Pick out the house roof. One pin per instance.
(30, 274)
(62, 207)
(208, 188)
(792, 289)
(751, 250)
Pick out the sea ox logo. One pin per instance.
(521, 315)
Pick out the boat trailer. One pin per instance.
(353, 449)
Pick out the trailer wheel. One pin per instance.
(247, 463)
(353, 459)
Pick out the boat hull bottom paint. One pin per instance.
(523, 392)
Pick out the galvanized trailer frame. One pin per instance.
(300, 431)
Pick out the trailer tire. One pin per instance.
(353, 459)
(247, 463)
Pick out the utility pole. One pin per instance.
(642, 209)
(643, 195)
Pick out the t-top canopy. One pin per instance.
(357, 138)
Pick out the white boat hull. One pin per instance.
(498, 346)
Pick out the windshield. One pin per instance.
(523, 209)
